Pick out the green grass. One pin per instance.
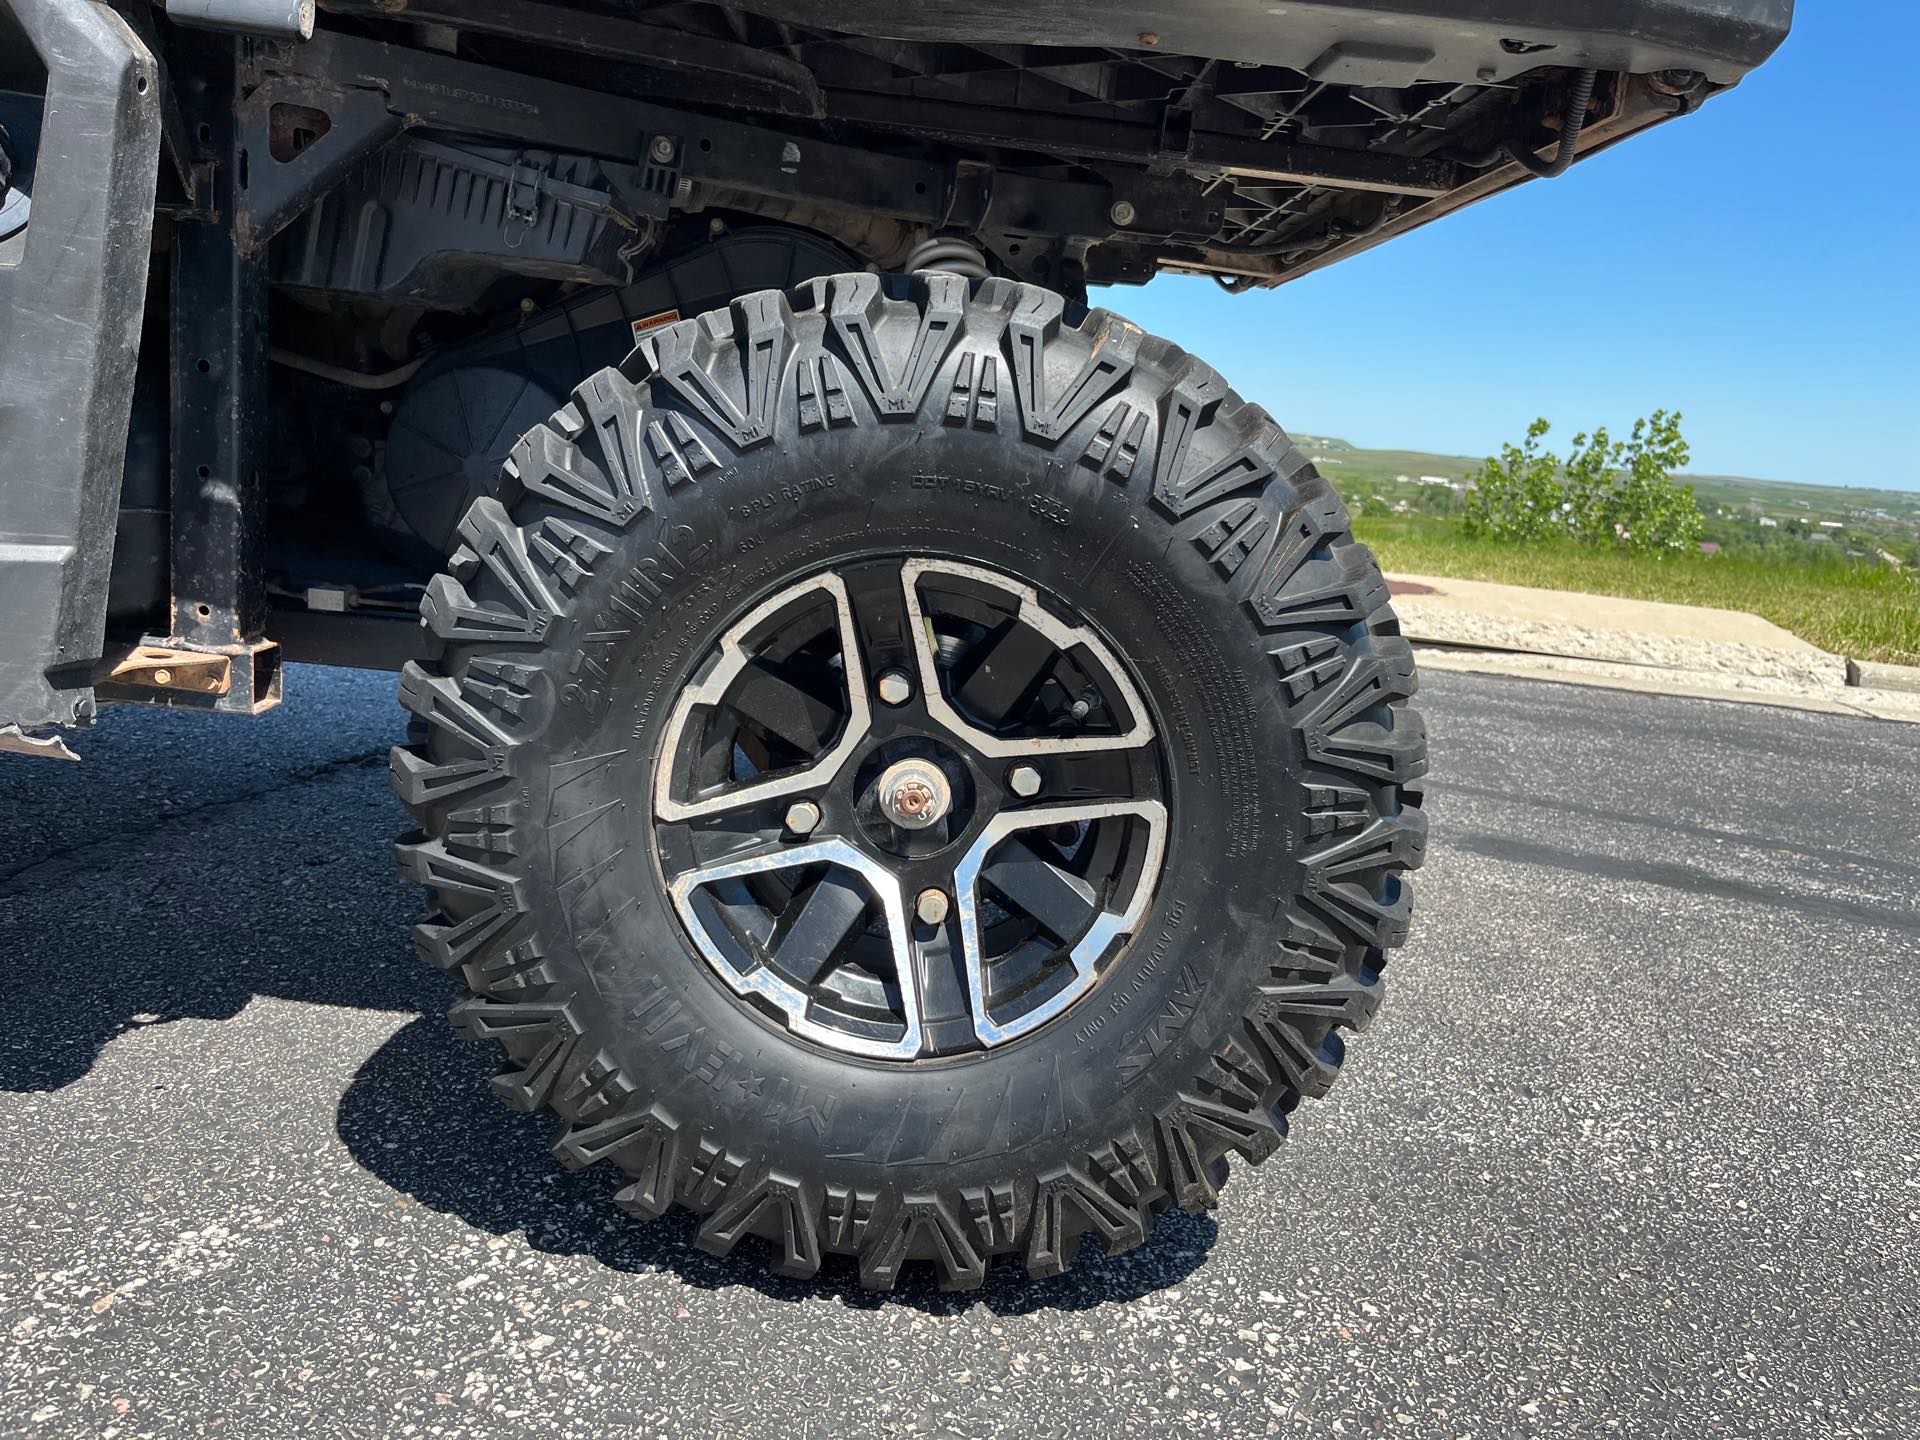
(1865, 611)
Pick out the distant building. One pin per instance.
(1821, 539)
(1832, 524)
(1769, 522)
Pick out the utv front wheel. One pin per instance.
(907, 775)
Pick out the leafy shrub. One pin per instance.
(1606, 491)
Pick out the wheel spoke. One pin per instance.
(830, 914)
(757, 977)
(1003, 677)
(753, 860)
(1086, 775)
(886, 633)
(1053, 891)
(943, 988)
(800, 719)
(1060, 901)
(713, 689)
(1006, 673)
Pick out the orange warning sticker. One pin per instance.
(665, 317)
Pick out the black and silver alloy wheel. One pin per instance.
(909, 808)
(908, 774)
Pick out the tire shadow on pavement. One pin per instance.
(193, 863)
(420, 1116)
(293, 897)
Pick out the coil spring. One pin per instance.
(960, 257)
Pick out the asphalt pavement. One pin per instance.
(1633, 1149)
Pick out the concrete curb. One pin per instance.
(1877, 675)
(1647, 646)
(1867, 704)
(1484, 615)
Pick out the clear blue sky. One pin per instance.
(1754, 266)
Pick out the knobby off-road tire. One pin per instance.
(735, 455)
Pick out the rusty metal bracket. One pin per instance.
(235, 679)
(165, 667)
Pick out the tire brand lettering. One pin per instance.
(720, 1066)
(1156, 959)
(639, 590)
(1165, 1027)
(592, 666)
(961, 485)
(655, 1009)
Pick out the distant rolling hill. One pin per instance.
(1351, 467)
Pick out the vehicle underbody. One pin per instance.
(420, 179)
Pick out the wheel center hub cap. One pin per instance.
(914, 794)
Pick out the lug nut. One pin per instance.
(802, 816)
(895, 688)
(1024, 781)
(931, 907)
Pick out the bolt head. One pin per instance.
(1024, 781)
(895, 688)
(661, 150)
(163, 677)
(802, 817)
(1122, 212)
(931, 907)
